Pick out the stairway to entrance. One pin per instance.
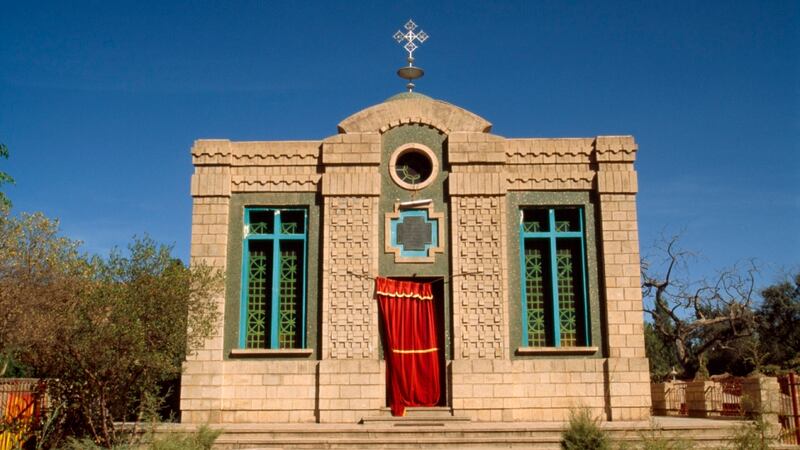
(433, 429)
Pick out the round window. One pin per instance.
(413, 166)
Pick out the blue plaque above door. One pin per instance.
(414, 234)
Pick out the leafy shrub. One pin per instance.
(202, 439)
(583, 432)
(111, 330)
(653, 440)
(754, 436)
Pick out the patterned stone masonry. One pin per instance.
(479, 319)
(349, 313)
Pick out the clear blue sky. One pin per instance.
(100, 101)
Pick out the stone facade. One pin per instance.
(484, 182)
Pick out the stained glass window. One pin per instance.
(554, 297)
(273, 278)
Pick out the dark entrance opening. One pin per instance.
(440, 310)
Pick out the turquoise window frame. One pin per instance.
(552, 236)
(423, 213)
(276, 237)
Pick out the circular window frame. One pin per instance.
(421, 149)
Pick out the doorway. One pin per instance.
(416, 338)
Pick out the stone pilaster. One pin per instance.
(201, 385)
(479, 247)
(627, 369)
(351, 189)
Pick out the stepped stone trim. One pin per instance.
(274, 160)
(550, 146)
(581, 181)
(297, 183)
(616, 148)
(254, 153)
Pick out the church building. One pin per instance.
(416, 263)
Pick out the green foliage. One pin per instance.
(660, 354)
(109, 329)
(778, 317)
(40, 273)
(756, 435)
(774, 347)
(583, 432)
(5, 203)
(202, 439)
(88, 444)
(654, 440)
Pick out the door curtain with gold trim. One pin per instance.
(412, 353)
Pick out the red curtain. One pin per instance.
(412, 356)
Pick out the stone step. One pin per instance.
(416, 416)
(435, 432)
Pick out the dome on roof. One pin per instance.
(411, 107)
(407, 95)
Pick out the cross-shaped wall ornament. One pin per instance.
(414, 233)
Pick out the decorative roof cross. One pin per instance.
(410, 36)
(410, 72)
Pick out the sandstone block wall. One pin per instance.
(527, 390)
(485, 380)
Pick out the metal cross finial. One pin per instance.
(410, 72)
(410, 36)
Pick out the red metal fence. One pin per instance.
(726, 397)
(789, 415)
(21, 405)
(675, 399)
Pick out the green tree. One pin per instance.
(5, 203)
(110, 330)
(660, 354)
(40, 272)
(779, 324)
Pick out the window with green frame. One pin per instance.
(555, 310)
(273, 304)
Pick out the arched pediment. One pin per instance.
(414, 108)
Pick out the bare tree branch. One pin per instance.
(697, 316)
